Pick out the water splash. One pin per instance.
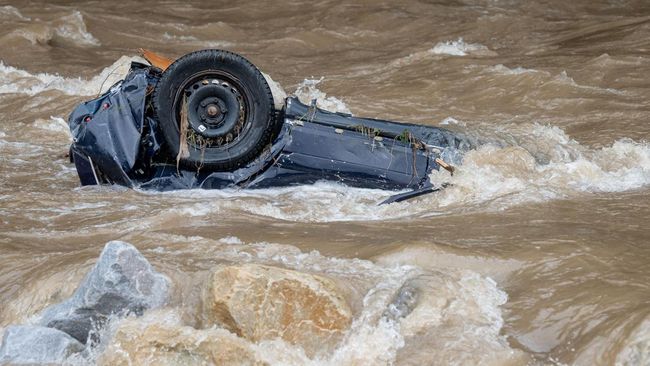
(520, 164)
(308, 91)
(8, 12)
(72, 27)
(69, 29)
(636, 350)
(443, 303)
(458, 48)
(539, 164)
(14, 80)
(184, 39)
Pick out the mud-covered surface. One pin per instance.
(537, 252)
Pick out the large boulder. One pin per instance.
(121, 282)
(261, 303)
(160, 338)
(32, 344)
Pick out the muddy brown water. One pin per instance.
(540, 247)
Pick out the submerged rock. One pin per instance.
(452, 318)
(260, 303)
(121, 282)
(32, 344)
(160, 338)
(403, 303)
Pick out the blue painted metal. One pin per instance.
(117, 141)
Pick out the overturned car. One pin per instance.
(209, 120)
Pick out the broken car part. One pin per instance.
(209, 121)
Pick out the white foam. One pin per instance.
(69, 28)
(527, 163)
(544, 165)
(530, 163)
(279, 95)
(9, 12)
(458, 48)
(546, 77)
(372, 339)
(447, 48)
(501, 69)
(193, 40)
(197, 209)
(320, 202)
(451, 121)
(231, 240)
(459, 304)
(308, 91)
(14, 80)
(73, 27)
(564, 78)
(55, 124)
(636, 350)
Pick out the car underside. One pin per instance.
(209, 120)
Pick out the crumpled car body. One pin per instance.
(117, 140)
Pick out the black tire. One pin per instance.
(229, 109)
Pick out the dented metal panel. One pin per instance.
(116, 140)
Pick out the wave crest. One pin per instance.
(68, 29)
(14, 80)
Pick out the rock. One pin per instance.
(32, 344)
(121, 282)
(261, 303)
(159, 338)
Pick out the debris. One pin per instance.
(156, 60)
(445, 166)
(183, 152)
(224, 140)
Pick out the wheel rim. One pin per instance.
(217, 109)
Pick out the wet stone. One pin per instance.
(122, 282)
(403, 303)
(32, 344)
(261, 302)
(161, 338)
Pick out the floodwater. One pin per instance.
(538, 252)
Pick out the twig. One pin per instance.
(183, 151)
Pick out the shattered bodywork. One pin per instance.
(117, 140)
